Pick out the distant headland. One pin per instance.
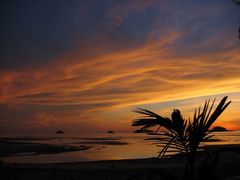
(110, 131)
(219, 128)
(148, 131)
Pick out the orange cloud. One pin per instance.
(93, 81)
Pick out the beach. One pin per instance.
(167, 168)
(170, 167)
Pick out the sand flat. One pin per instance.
(169, 168)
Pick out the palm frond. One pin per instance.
(182, 135)
(237, 2)
(218, 111)
(151, 119)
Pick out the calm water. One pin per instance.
(109, 147)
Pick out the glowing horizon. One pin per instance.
(84, 67)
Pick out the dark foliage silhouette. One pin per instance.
(237, 2)
(183, 135)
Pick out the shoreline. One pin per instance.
(228, 166)
(16, 148)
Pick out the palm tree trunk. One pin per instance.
(191, 165)
(192, 159)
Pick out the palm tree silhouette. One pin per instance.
(183, 135)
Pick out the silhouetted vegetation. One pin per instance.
(183, 135)
(237, 2)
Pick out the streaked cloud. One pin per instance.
(176, 61)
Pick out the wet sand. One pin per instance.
(166, 168)
(16, 148)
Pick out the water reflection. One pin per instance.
(107, 147)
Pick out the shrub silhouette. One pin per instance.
(183, 135)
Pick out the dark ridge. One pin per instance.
(218, 128)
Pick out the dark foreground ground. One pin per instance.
(144, 169)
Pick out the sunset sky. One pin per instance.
(84, 66)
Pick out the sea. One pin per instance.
(105, 146)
